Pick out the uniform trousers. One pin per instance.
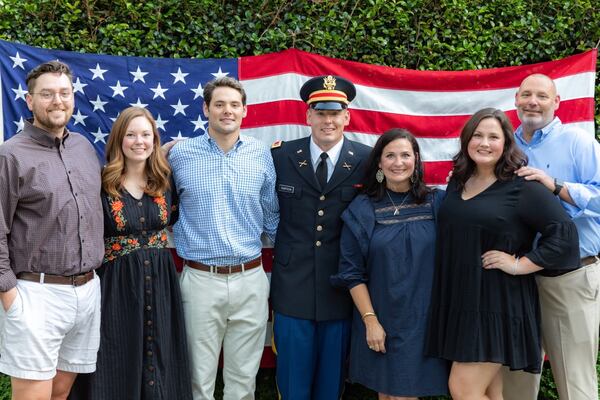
(570, 305)
(228, 312)
(311, 357)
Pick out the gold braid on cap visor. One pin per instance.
(327, 95)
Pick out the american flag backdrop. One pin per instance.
(431, 104)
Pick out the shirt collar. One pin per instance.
(539, 134)
(210, 141)
(333, 153)
(41, 136)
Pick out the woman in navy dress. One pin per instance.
(143, 350)
(485, 310)
(387, 262)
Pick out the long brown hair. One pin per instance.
(512, 157)
(157, 170)
(374, 189)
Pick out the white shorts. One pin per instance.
(50, 327)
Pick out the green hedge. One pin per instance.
(417, 34)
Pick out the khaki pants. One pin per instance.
(228, 311)
(570, 306)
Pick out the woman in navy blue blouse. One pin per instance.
(387, 262)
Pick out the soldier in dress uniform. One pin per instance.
(317, 177)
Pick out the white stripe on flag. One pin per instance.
(432, 149)
(418, 103)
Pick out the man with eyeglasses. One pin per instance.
(51, 229)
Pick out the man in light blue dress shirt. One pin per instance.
(566, 160)
(226, 188)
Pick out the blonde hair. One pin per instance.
(157, 170)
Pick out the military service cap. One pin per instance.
(328, 92)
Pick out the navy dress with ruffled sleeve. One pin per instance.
(394, 256)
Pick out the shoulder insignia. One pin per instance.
(276, 144)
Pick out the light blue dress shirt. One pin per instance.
(226, 200)
(573, 156)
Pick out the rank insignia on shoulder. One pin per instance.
(276, 144)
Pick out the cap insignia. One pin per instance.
(329, 82)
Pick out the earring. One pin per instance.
(379, 175)
(413, 178)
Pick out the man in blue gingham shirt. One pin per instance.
(226, 187)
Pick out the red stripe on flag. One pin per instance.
(362, 121)
(300, 62)
(436, 172)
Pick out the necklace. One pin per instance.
(396, 208)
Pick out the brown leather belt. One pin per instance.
(225, 269)
(74, 280)
(589, 260)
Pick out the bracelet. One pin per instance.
(514, 270)
(368, 314)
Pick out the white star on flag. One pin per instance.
(19, 93)
(18, 61)
(115, 118)
(159, 91)
(20, 124)
(138, 103)
(79, 118)
(160, 123)
(199, 123)
(179, 76)
(138, 75)
(98, 104)
(99, 136)
(118, 89)
(98, 72)
(179, 108)
(178, 137)
(198, 92)
(78, 86)
(220, 74)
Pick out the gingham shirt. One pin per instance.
(227, 200)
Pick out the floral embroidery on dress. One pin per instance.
(116, 208)
(162, 208)
(118, 246)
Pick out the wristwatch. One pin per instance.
(558, 185)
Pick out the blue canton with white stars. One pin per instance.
(171, 89)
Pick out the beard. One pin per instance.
(45, 121)
(534, 122)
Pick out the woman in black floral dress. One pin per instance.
(143, 351)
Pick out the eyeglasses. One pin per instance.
(47, 95)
